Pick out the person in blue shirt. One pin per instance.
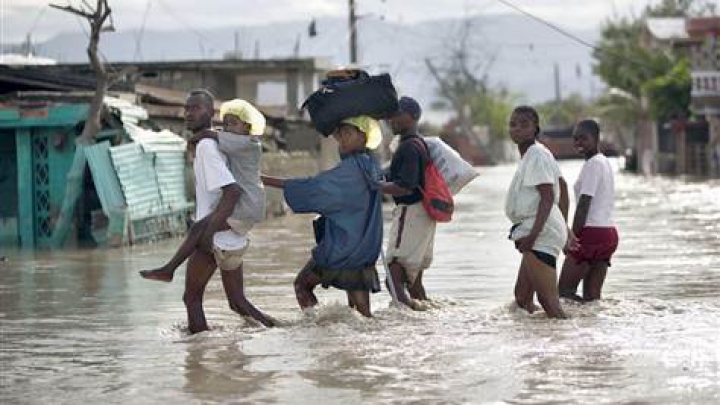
(349, 230)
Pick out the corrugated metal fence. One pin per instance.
(151, 174)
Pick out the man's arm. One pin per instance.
(546, 202)
(272, 181)
(564, 202)
(204, 134)
(393, 189)
(218, 218)
(408, 177)
(581, 213)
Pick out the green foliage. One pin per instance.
(625, 64)
(492, 108)
(566, 112)
(621, 60)
(669, 94)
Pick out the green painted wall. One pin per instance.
(41, 146)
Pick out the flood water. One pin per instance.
(83, 327)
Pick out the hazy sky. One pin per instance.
(22, 16)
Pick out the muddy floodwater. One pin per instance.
(81, 327)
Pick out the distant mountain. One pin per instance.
(524, 50)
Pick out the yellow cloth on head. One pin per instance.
(369, 126)
(246, 113)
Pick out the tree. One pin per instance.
(96, 18)
(565, 112)
(669, 95)
(464, 86)
(624, 63)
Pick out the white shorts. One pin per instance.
(230, 246)
(411, 239)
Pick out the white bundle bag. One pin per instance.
(456, 172)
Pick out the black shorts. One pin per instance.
(546, 258)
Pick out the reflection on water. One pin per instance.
(82, 326)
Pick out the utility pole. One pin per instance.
(558, 94)
(353, 32)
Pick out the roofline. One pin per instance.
(316, 64)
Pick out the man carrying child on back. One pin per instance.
(230, 200)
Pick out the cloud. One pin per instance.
(19, 16)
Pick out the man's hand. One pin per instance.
(526, 243)
(572, 244)
(272, 181)
(393, 189)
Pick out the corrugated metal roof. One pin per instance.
(168, 150)
(135, 171)
(666, 29)
(129, 112)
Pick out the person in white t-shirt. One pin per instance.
(537, 206)
(593, 222)
(212, 241)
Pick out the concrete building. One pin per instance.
(278, 86)
(686, 146)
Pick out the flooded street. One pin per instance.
(83, 327)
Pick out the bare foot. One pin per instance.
(572, 296)
(160, 274)
(530, 307)
(305, 298)
(267, 321)
(254, 314)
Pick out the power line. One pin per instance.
(549, 24)
(182, 21)
(579, 40)
(139, 36)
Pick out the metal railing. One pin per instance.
(705, 84)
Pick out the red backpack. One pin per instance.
(436, 196)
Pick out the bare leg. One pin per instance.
(234, 290)
(570, 277)
(201, 267)
(544, 282)
(524, 292)
(305, 283)
(593, 282)
(187, 247)
(361, 302)
(417, 289)
(397, 272)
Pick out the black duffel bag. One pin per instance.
(341, 98)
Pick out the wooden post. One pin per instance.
(26, 203)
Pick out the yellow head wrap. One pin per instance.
(246, 113)
(369, 126)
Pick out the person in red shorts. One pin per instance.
(589, 259)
